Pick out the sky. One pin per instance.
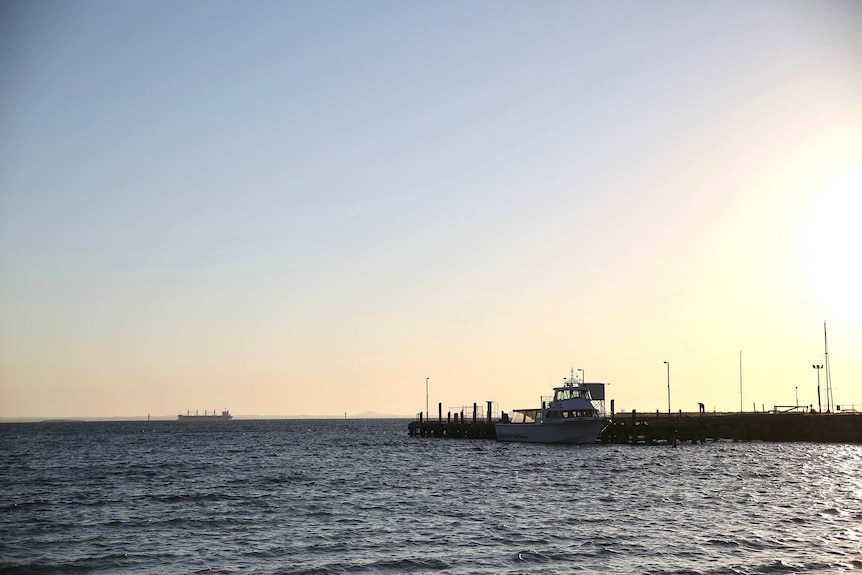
(294, 208)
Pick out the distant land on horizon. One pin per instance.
(363, 415)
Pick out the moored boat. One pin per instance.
(569, 417)
(206, 416)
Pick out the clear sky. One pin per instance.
(307, 208)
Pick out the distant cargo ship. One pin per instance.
(207, 416)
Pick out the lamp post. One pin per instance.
(797, 397)
(667, 363)
(582, 375)
(818, 368)
(427, 415)
(740, 382)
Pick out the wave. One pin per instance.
(408, 565)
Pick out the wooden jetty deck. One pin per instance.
(646, 429)
(635, 427)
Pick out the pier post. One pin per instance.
(475, 410)
(440, 411)
(634, 426)
(489, 412)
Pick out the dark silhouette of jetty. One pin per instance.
(656, 428)
(648, 429)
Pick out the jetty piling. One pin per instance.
(459, 427)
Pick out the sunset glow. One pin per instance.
(830, 244)
(295, 208)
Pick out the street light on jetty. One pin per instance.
(426, 398)
(797, 397)
(667, 363)
(818, 368)
(582, 375)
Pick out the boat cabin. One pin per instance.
(550, 415)
(570, 392)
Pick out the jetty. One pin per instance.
(654, 428)
(480, 425)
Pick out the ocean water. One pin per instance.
(330, 497)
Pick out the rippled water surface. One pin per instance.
(318, 497)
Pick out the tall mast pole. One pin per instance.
(828, 372)
(740, 382)
(667, 363)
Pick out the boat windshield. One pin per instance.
(572, 413)
(572, 393)
(526, 416)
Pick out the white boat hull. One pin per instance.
(580, 431)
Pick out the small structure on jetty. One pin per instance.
(654, 428)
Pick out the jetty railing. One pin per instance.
(789, 408)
